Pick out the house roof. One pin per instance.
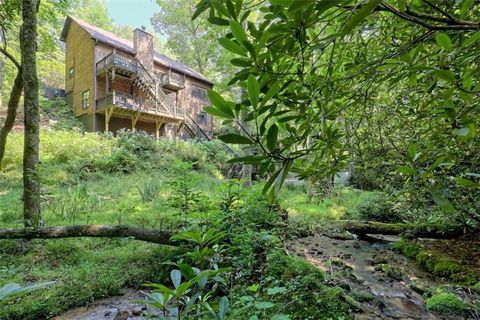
(125, 45)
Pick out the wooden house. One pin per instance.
(113, 83)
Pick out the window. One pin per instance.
(86, 99)
(200, 93)
(202, 117)
(71, 72)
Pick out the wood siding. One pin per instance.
(79, 56)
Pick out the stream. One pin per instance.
(384, 283)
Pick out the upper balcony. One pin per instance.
(171, 80)
(120, 62)
(129, 66)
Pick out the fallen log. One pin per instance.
(363, 228)
(93, 231)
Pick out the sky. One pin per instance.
(135, 13)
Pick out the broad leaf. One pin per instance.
(444, 41)
(234, 138)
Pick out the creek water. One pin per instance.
(386, 281)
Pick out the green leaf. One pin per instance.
(254, 287)
(443, 40)
(270, 93)
(283, 3)
(264, 305)
(176, 277)
(407, 170)
(223, 307)
(445, 75)
(442, 202)
(300, 4)
(359, 16)
(237, 31)
(216, 112)
(218, 21)
(473, 38)
(465, 182)
(232, 46)
(218, 5)
(200, 8)
(253, 89)
(467, 4)
(412, 152)
(220, 103)
(281, 317)
(272, 137)
(241, 63)
(276, 290)
(462, 132)
(234, 138)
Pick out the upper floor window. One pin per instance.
(200, 93)
(86, 99)
(71, 72)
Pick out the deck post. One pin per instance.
(134, 121)
(108, 115)
(158, 124)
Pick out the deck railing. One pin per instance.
(119, 61)
(135, 103)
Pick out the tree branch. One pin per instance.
(94, 231)
(10, 57)
(416, 20)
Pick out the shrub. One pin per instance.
(377, 210)
(446, 303)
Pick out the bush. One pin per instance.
(377, 210)
(446, 303)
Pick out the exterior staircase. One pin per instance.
(149, 85)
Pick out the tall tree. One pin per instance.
(9, 12)
(28, 46)
(193, 41)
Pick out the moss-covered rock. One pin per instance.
(446, 303)
(409, 249)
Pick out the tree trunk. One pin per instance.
(93, 231)
(363, 228)
(2, 78)
(12, 107)
(28, 47)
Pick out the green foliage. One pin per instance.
(323, 92)
(149, 190)
(446, 303)
(61, 114)
(380, 209)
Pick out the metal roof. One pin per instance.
(125, 45)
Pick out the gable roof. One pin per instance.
(125, 45)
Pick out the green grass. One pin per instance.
(310, 213)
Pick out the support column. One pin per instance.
(108, 115)
(158, 124)
(134, 121)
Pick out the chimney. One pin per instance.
(143, 45)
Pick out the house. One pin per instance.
(113, 83)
